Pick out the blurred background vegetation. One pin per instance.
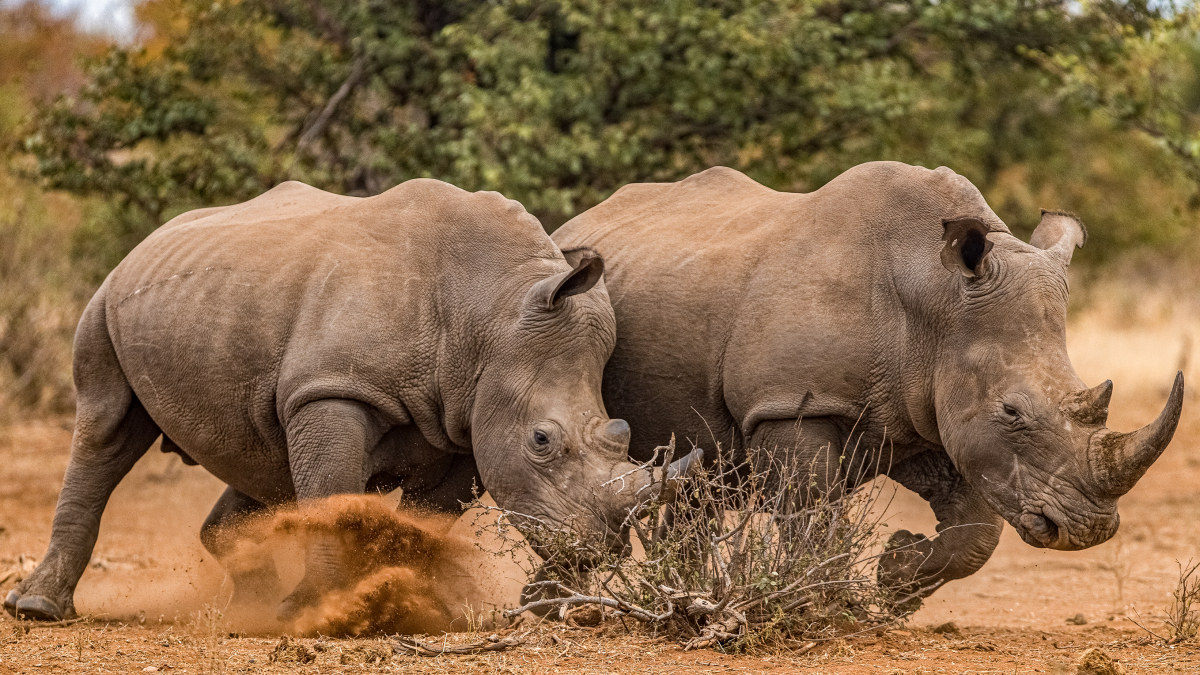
(1086, 106)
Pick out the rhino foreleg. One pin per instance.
(446, 494)
(968, 531)
(255, 580)
(328, 442)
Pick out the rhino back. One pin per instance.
(736, 303)
(226, 323)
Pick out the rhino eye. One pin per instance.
(1011, 411)
(541, 438)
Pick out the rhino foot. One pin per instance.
(531, 593)
(899, 570)
(257, 588)
(35, 608)
(303, 597)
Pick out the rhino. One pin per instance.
(897, 320)
(304, 344)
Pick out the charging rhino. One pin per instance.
(894, 313)
(303, 344)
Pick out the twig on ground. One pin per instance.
(1139, 625)
(22, 623)
(493, 643)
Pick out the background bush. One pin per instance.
(556, 103)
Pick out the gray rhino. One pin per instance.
(890, 311)
(304, 344)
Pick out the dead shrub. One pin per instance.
(41, 298)
(208, 627)
(751, 554)
(1183, 619)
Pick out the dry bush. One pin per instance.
(41, 298)
(1182, 618)
(208, 629)
(751, 554)
(1121, 569)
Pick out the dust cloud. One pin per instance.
(408, 573)
(412, 571)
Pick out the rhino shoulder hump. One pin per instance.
(421, 188)
(908, 177)
(286, 189)
(291, 191)
(722, 180)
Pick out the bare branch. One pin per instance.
(315, 130)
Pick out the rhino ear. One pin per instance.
(966, 245)
(587, 267)
(1059, 233)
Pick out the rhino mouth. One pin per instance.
(1040, 530)
(1044, 526)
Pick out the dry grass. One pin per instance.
(1183, 617)
(41, 297)
(1121, 569)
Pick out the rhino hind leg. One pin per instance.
(818, 444)
(328, 441)
(914, 566)
(112, 431)
(255, 580)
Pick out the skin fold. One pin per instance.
(888, 322)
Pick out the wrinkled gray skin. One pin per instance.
(304, 344)
(893, 293)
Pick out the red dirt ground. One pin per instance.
(156, 592)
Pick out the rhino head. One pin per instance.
(544, 445)
(1013, 415)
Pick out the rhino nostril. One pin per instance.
(617, 431)
(1041, 528)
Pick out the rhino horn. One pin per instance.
(666, 481)
(1089, 406)
(1118, 460)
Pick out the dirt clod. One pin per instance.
(365, 654)
(948, 628)
(588, 616)
(288, 651)
(1096, 662)
(1077, 620)
(24, 565)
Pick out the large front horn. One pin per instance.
(1118, 460)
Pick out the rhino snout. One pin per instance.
(1047, 528)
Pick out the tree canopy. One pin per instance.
(556, 103)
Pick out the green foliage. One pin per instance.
(556, 103)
